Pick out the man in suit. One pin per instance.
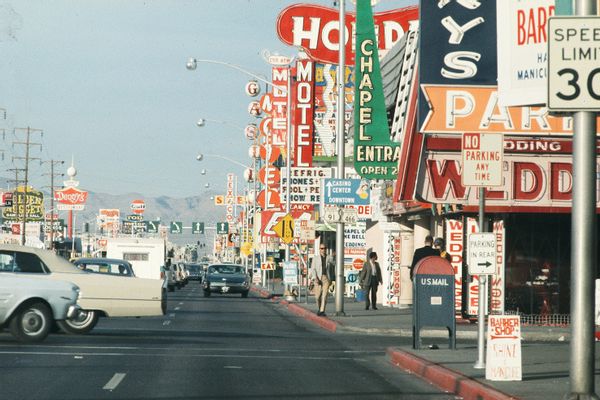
(370, 278)
(319, 276)
(423, 252)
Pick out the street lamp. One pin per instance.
(202, 122)
(201, 156)
(192, 64)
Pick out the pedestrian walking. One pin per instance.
(320, 278)
(331, 261)
(423, 252)
(370, 278)
(440, 246)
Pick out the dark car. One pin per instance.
(195, 271)
(226, 279)
(110, 266)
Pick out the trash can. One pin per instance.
(359, 294)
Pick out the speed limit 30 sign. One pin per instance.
(574, 63)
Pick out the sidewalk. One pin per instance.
(545, 350)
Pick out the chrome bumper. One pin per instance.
(73, 311)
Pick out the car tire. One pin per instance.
(207, 293)
(244, 294)
(31, 323)
(83, 323)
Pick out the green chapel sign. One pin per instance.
(375, 155)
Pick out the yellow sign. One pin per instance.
(285, 229)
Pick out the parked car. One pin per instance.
(226, 279)
(111, 266)
(29, 307)
(195, 271)
(102, 295)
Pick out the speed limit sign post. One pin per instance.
(574, 63)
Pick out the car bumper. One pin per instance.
(73, 311)
(227, 288)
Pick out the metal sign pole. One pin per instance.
(480, 364)
(340, 132)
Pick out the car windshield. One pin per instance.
(193, 268)
(226, 269)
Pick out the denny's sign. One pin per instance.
(316, 29)
(70, 198)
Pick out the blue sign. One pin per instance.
(346, 192)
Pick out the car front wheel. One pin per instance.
(31, 323)
(84, 322)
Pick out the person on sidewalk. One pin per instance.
(318, 275)
(370, 278)
(423, 252)
(440, 246)
(331, 270)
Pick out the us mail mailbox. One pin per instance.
(433, 294)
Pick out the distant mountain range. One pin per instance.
(165, 208)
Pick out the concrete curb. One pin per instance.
(323, 322)
(444, 378)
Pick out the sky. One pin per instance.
(105, 81)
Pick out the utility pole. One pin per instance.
(28, 144)
(52, 175)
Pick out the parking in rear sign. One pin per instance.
(481, 253)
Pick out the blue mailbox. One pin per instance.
(433, 298)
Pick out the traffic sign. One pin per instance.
(346, 192)
(285, 228)
(176, 227)
(573, 63)
(197, 227)
(340, 214)
(482, 155)
(222, 228)
(152, 226)
(481, 253)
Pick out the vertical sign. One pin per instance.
(279, 114)
(375, 155)
(504, 348)
(303, 114)
(455, 247)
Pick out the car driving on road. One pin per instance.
(29, 307)
(226, 279)
(102, 295)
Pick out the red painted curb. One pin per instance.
(444, 378)
(323, 322)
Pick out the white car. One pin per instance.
(102, 295)
(29, 307)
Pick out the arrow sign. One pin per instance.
(481, 253)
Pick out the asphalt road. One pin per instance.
(222, 347)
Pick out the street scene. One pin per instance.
(337, 199)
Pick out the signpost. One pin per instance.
(222, 228)
(285, 229)
(481, 253)
(197, 227)
(176, 227)
(482, 159)
(346, 192)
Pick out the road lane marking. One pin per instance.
(181, 303)
(232, 367)
(172, 315)
(167, 322)
(177, 308)
(114, 381)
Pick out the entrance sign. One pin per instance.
(504, 348)
(574, 63)
(482, 155)
(481, 253)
